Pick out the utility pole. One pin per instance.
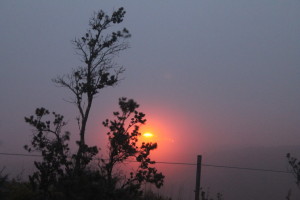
(198, 176)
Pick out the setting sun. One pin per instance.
(148, 135)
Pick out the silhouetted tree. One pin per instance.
(97, 49)
(123, 144)
(61, 175)
(52, 143)
(55, 178)
(295, 166)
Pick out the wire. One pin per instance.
(177, 163)
(247, 168)
(228, 167)
(20, 154)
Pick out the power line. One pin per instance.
(20, 154)
(228, 167)
(175, 163)
(247, 168)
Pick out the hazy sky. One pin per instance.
(210, 75)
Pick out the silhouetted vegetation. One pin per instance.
(62, 175)
(150, 195)
(123, 144)
(96, 50)
(57, 177)
(206, 196)
(3, 180)
(295, 167)
(14, 189)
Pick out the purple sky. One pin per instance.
(213, 77)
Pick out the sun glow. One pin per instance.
(148, 135)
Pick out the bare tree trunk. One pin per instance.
(80, 152)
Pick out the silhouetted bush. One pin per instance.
(150, 195)
(3, 184)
